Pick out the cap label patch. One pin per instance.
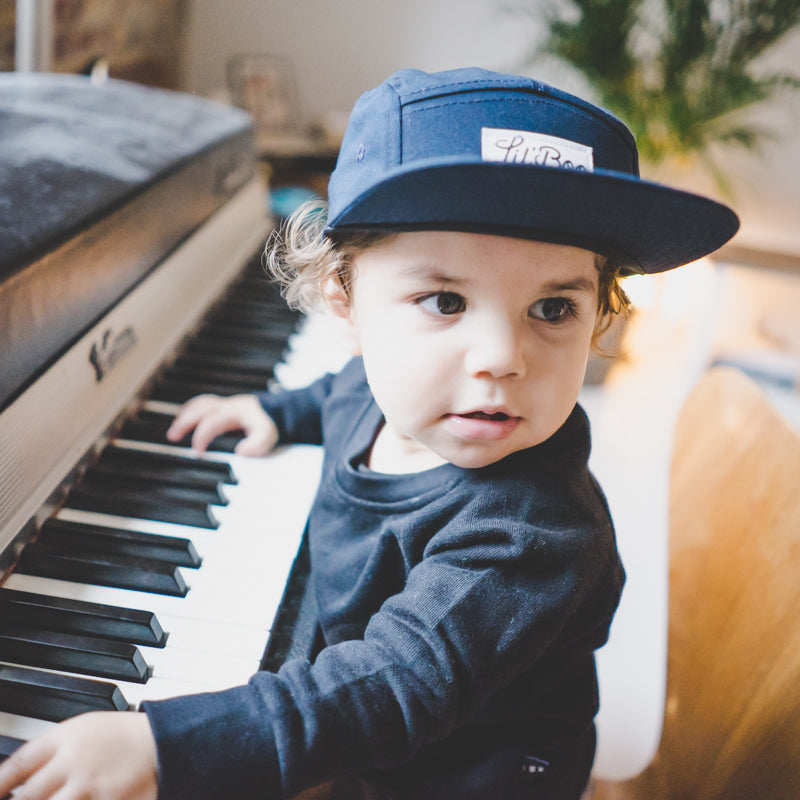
(526, 147)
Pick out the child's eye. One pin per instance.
(554, 309)
(445, 303)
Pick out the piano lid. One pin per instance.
(97, 185)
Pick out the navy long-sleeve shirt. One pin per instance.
(460, 610)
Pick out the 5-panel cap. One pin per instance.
(478, 151)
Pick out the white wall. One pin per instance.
(340, 48)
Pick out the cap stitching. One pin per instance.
(477, 84)
(390, 126)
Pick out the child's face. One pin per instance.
(475, 346)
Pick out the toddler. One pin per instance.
(463, 556)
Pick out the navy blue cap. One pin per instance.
(478, 151)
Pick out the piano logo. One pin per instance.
(230, 175)
(112, 347)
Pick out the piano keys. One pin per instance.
(211, 636)
(79, 610)
(133, 568)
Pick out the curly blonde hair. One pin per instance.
(304, 261)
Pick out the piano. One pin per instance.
(130, 280)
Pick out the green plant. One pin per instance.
(679, 72)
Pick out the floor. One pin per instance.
(685, 321)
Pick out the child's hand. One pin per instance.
(209, 416)
(108, 754)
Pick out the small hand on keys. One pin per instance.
(210, 416)
(103, 754)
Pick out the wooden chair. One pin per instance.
(732, 720)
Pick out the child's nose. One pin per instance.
(497, 352)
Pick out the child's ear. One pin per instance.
(339, 304)
(336, 298)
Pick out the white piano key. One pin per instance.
(157, 688)
(167, 448)
(162, 688)
(212, 603)
(161, 407)
(23, 727)
(239, 529)
(229, 591)
(199, 638)
(203, 636)
(176, 672)
(206, 669)
(211, 666)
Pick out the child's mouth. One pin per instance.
(498, 416)
(483, 425)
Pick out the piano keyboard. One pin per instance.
(161, 572)
(215, 633)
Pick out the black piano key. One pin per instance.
(97, 481)
(236, 314)
(230, 330)
(86, 655)
(164, 468)
(260, 348)
(224, 382)
(142, 498)
(260, 284)
(151, 426)
(82, 618)
(54, 697)
(142, 508)
(221, 365)
(258, 360)
(147, 426)
(140, 574)
(245, 295)
(256, 353)
(82, 537)
(221, 335)
(257, 322)
(8, 744)
(249, 290)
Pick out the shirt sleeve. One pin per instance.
(297, 413)
(477, 611)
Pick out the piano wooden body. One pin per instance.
(130, 280)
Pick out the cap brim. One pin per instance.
(644, 226)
